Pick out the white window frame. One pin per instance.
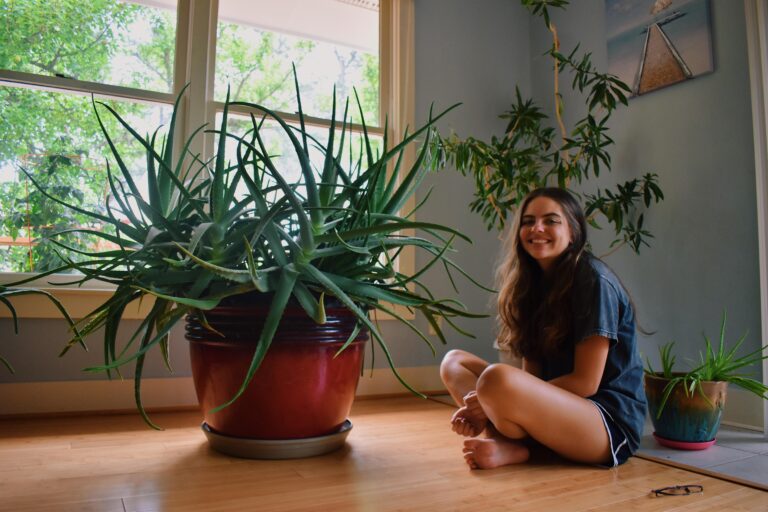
(195, 63)
(756, 12)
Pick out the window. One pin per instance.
(135, 56)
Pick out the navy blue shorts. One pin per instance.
(619, 445)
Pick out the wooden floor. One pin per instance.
(400, 455)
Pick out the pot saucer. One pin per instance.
(277, 448)
(683, 445)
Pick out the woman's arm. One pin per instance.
(588, 366)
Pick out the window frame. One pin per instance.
(195, 64)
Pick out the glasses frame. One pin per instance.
(678, 490)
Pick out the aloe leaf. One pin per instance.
(408, 324)
(115, 153)
(204, 304)
(350, 339)
(388, 227)
(315, 308)
(12, 310)
(307, 238)
(361, 316)
(237, 276)
(276, 308)
(28, 291)
(5, 363)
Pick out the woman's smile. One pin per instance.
(544, 231)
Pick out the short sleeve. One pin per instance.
(602, 318)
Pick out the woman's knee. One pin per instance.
(451, 363)
(500, 381)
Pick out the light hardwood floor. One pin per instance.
(400, 455)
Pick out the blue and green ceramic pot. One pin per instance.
(686, 418)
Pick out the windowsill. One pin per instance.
(77, 300)
(81, 300)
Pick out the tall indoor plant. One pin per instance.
(229, 231)
(536, 151)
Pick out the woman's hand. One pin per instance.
(470, 420)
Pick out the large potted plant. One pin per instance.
(263, 269)
(686, 407)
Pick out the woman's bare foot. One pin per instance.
(494, 452)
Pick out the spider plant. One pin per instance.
(715, 365)
(206, 230)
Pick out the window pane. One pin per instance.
(281, 149)
(56, 139)
(331, 42)
(283, 154)
(105, 41)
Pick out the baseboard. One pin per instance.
(63, 397)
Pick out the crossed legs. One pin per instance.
(508, 405)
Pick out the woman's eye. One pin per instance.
(553, 221)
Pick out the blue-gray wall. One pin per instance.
(696, 136)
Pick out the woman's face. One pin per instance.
(544, 231)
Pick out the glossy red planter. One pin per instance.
(300, 390)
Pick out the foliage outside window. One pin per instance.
(55, 54)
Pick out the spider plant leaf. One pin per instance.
(668, 389)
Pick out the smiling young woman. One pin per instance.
(567, 315)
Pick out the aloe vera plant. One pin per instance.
(208, 230)
(721, 364)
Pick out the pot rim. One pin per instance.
(659, 376)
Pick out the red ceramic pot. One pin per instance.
(300, 390)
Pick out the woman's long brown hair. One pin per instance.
(536, 312)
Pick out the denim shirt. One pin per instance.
(621, 391)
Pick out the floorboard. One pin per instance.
(400, 455)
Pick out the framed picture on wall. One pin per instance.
(657, 43)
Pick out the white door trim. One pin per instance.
(756, 12)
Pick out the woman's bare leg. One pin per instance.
(517, 402)
(460, 371)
